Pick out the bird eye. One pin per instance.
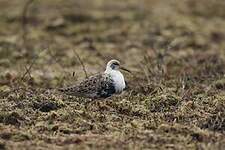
(116, 64)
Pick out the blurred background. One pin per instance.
(174, 48)
(135, 32)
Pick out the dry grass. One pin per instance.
(175, 97)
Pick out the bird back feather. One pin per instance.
(97, 86)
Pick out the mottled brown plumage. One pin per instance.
(97, 86)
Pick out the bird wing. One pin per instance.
(97, 86)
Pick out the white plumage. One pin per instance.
(118, 79)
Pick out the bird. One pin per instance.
(102, 85)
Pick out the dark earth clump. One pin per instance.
(175, 50)
(11, 118)
(46, 106)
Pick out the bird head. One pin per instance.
(115, 65)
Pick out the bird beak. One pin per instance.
(122, 68)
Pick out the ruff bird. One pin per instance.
(102, 85)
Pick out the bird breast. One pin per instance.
(118, 80)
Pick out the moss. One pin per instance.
(18, 137)
(15, 136)
(175, 97)
(163, 103)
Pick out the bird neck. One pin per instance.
(117, 78)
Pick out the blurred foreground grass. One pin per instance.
(175, 98)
